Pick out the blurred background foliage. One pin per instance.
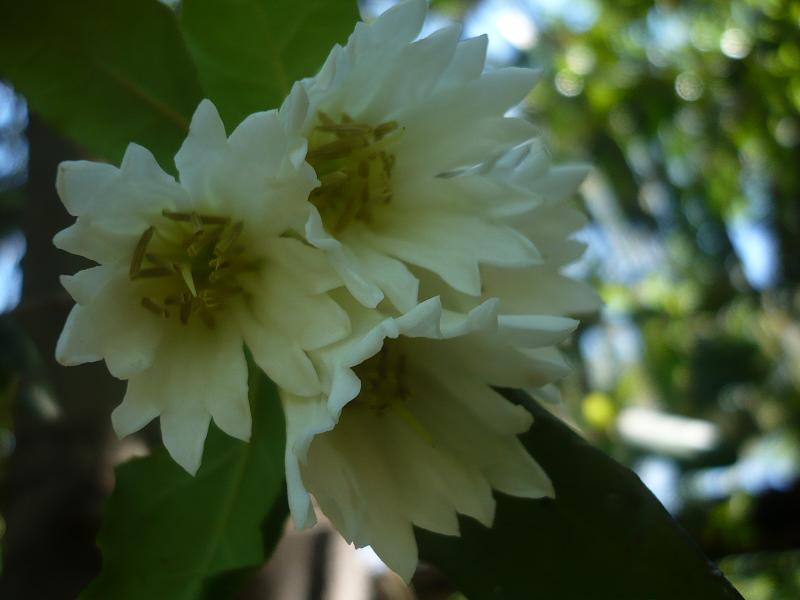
(690, 112)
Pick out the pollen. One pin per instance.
(354, 164)
(189, 266)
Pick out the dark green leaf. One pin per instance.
(169, 535)
(104, 73)
(249, 52)
(604, 536)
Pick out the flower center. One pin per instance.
(189, 265)
(354, 168)
(384, 386)
(383, 378)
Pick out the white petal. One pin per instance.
(496, 363)
(532, 331)
(560, 255)
(487, 197)
(306, 265)
(112, 326)
(294, 111)
(129, 347)
(384, 525)
(420, 473)
(469, 237)
(481, 318)
(260, 138)
(334, 486)
(85, 285)
(515, 472)
(451, 245)
(463, 274)
(400, 24)
(538, 290)
(305, 418)
(205, 143)
(226, 396)
(549, 226)
(344, 387)
(137, 197)
(548, 362)
(412, 74)
(95, 243)
(281, 358)
(448, 112)
(197, 374)
(138, 407)
(492, 410)
(399, 285)
(184, 427)
(467, 63)
(550, 393)
(76, 344)
(355, 277)
(393, 541)
(435, 410)
(424, 320)
(310, 321)
(501, 457)
(81, 183)
(470, 143)
(316, 234)
(560, 182)
(138, 162)
(345, 263)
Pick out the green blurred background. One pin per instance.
(690, 113)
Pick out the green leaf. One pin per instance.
(103, 73)
(250, 52)
(169, 535)
(604, 536)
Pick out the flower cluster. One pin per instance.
(387, 245)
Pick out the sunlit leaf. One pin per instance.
(169, 535)
(604, 536)
(249, 52)
(103, 73)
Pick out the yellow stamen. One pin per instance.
(139, 251)
(192, 263)
(384, 389)
(354, 167)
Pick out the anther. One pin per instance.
(197, 224)
(154, 307)
(345, 129)
(228, 236)
(203, 238)
(139, 251)
(385, 128)
(187, 217)
(336, 149)
(333, 180)
(353, 166)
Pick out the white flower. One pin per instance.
(389, 121)
(190, 272)
(541, 209)
(409, 433)
(414, 202)
(548, 219)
